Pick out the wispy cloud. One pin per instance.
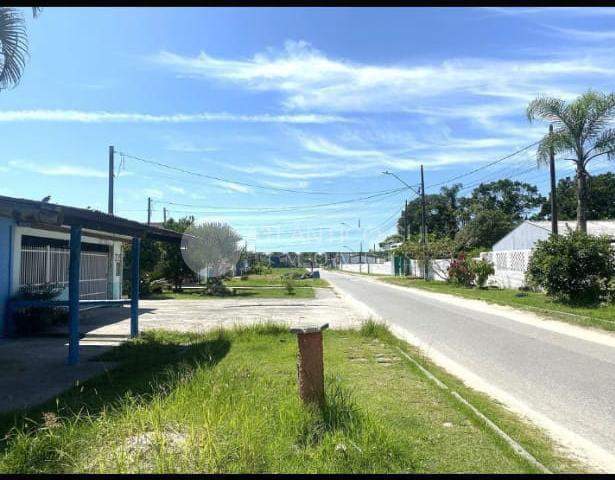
(176, 189)
(310, 80)
(582, 35)
(154, 193)
(58, 170)
(122, 117)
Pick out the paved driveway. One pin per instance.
(34, 369)
(563, 381)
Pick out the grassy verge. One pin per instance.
(240, 293)
(227, 402)
(275, 279)
(600, 317)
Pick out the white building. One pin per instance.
(511, 254)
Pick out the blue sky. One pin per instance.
(320, 101)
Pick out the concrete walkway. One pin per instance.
(35, 369)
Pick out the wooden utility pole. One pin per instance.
(149, 210)
(553, 185)
(111, 175)
(164, 214)
(423, 224)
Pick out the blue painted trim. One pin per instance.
(73, 294)
(134, 303)
(64, 303)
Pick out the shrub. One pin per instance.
(260, 268)
(215, 287)
(31, 320)
(481, 269)
(460, 271)
(574, 267)
(289, 285)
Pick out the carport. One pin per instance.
(76, 222)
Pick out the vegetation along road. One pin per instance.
(563, 381)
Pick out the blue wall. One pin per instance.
(6, 231)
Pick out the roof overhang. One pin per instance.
(31, 212)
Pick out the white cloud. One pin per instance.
(309, 79)
(176, 189)
(121, 117)
(154, 193)
(58, 170)
(583, 35)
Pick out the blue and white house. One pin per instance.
(76, 249)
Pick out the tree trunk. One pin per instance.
(581, 199)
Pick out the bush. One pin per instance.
(289, 285)
(460, 271)
(260, 268)
(215, 287)
(576, 268)
(482, 269)
(32, 320)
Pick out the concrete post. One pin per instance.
(310, 365)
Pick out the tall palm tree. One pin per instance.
(582, 129)
(13, 45)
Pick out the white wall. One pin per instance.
(379, 268)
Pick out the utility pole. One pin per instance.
(164, 214)
(406, 222)
(111, 175)
(149, 210)
(423, 224)
(553, 186)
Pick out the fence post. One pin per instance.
(73, 294)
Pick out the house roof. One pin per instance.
(594, 227)
(36, 212)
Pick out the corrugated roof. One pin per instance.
(594, 227)
(32, 211)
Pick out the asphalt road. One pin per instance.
(569, 380)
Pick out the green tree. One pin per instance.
(513, 198)
(13, 45)
(600, 204)
(441, 211)
(582, 130)
(173, 267)
(484, 229)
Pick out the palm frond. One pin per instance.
(561, 141)
(604, 145)
(36, 11)
(13, 47)
(600, 112)
(554, 110)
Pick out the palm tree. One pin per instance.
(581, 128)
(13, 45)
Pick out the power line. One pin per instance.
(285, 209)
(237, 182)
(482, 167)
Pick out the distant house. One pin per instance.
(511, 254)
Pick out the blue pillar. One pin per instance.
(73, 294)
(134, 288)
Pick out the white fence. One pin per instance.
(510, 267)
(42, 265)
(385, 268)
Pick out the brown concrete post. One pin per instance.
(310, 365)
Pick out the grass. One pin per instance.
(601, 316)
(275, 279)
(240, 293)
(227, 402)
